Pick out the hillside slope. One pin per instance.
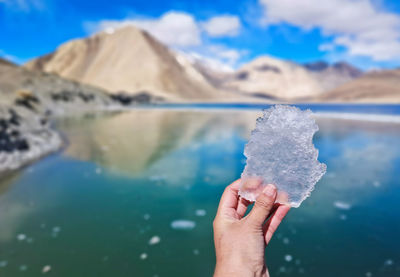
(128, 60)
(382, 86)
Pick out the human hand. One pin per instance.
(240, 241)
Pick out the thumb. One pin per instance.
(263, 206)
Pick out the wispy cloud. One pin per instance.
(25, 6)
(359, 26)
(10, 57)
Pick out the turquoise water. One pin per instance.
(91, 209)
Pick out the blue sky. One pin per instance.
(223, 32)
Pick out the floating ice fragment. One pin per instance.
(46, 269)
(201, 212)
(23, 267)
(196, 252)
(388, 262)
(143, 256)
(56, 229)
(3, 263)
(286, 241)
(183, 224)
(288, 258)
(368, 274)
(342, 205)
(21, 237)
(146, 216)
(154, 240)
(281, 152)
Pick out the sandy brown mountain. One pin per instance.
(268, 77)
(128, 60)
(380, 86)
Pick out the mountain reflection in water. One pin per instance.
(126, 178)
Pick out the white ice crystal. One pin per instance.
(281, 152)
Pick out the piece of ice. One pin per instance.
(183, 224)
(56, 229)
(143, 256)
(21, 237)
(201, 212)
(288, 258)
(23, 267)
(154, 240)
(281, 152)
(46, 269)
(286, 241)
(3, 263)
(342, 205)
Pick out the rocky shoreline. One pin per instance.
(31, 100)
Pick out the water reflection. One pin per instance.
(127, 178)
(159, 144)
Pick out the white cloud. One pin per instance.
(220, 26)
(173, 28)
(183, 32)
(358, 25)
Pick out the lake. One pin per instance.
(135, 194)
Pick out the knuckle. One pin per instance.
(264, 201)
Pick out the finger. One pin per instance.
(229, 199)
(272, 224)
(263, 206)
(242, 207)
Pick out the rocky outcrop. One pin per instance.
(27, 103)
(24, 137)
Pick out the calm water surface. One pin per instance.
(93, 208)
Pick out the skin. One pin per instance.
(240, 241)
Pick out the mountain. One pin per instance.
(332, 76)
(6, 62)
(268, 77)
(380, 86)
(128, 60)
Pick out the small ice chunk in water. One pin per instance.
(388, 262)
(56, 229)
(21, 237)
(183, 224)
(286, 241)
(281, 152)
(154, 240)
(46, 269)
(342, 205)
(3, 263)
(146, 216)
(288, 258)
(143, 256)
(201, 212)
(23, 267)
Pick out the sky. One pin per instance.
(224, 33)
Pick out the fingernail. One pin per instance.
(270, 190)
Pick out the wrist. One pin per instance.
(237, 269)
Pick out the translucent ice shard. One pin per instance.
(281, 152)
